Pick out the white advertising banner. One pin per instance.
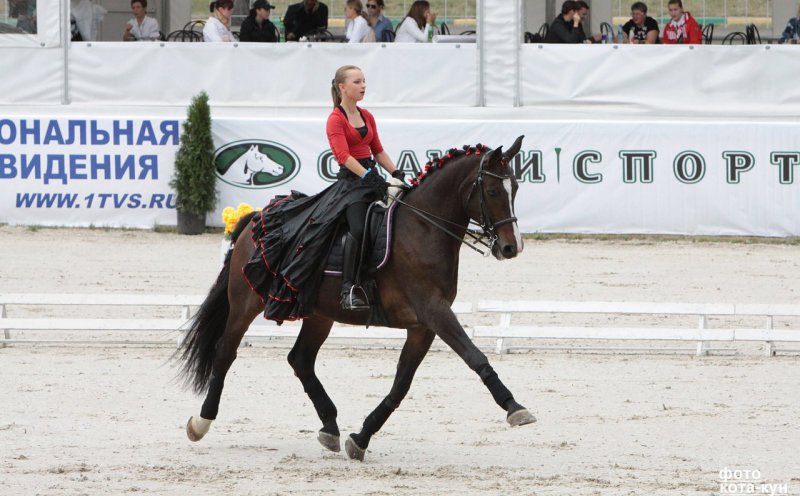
(714, 178)
(82, 172)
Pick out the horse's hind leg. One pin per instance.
(313, 333)
(245, 306)
(417, 345)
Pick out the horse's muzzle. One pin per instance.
(503, 250)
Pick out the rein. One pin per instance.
(488, 237)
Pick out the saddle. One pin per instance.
(375, 252)
(376, 246)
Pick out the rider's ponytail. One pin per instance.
(338, 78)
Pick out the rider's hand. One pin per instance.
(374, 180)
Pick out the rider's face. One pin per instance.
(354, 85)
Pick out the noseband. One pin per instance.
(485, 223)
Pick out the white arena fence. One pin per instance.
(504, 333)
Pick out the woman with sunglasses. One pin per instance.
(380, 24)
(218, 25)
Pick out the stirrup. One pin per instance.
(351, 300)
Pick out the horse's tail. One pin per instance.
(207, 326)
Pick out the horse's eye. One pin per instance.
(492, 193)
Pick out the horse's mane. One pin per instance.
(451, 154)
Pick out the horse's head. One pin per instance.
(491, 201)
(259, 162)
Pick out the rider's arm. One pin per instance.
(385, 161)
(354, 166)
(376, 147)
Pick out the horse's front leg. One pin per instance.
(443, 321)
(416, 347)
(313, 333)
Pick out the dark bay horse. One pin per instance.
(416, 288)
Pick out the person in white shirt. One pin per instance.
(141, 27)
(357, 26)
(218, 25)
(414, 28)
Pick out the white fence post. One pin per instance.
(501, 346)
(769, 346)
(702, 346)
(6, 332)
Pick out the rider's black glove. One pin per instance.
(376, 182)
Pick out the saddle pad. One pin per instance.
(379, 241)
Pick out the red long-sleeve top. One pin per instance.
(345, 141)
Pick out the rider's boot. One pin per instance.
(353, 297)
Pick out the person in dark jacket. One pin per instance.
(567, 28)
(303, 17)
(257, 26)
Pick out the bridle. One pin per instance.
(489, 227)
(488, 236)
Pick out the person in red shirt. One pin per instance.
(353, 138)
(682, 28)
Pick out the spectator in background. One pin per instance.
(641, 28)
(583, 12)
(417, 24)
(24, 11)
(567, 28)
(682, 28)
(88, 18)
(257, 26)
(357, 27)
(304, 17)
(218, 25)
(380, 24)
(792, 31)
(141, 27)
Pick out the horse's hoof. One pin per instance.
(353, 451)
(195, 430)
(520, 417)
(329, 441)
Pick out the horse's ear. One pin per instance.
(512, 152)
(496, 155)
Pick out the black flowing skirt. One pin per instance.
(292, 236)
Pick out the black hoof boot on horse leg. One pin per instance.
(516, 414)
(353, 297)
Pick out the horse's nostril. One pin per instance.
(509, 251)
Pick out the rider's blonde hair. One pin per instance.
(338, 78)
